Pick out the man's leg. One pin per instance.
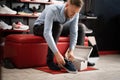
(81, 34)
(56, 31)
(38, 30)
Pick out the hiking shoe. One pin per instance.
(19, 26)
(53, 66)
(69, 67)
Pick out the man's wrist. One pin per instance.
(57, 53)
(70, 50)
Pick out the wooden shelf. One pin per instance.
(88, 17)
(19, 15)
(4, 33)
(16, 31)
(37, 2)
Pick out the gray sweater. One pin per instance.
(53, 13)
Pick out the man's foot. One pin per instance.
(69, 67)
(53, 66)
(91, 64)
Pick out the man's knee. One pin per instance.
(57, 26)
(81, 26)
(38, 30)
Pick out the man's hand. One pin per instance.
(69, 55)
(59, 59)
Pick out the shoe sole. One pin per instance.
(73, 72)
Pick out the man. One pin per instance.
(50, 25)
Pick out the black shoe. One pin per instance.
(94, 52)
(7, 63)
(53, 66)
(69, 67)
(91, 64)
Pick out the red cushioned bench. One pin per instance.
(28, 50)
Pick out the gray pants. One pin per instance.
(57, 32)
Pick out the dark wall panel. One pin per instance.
(108, 24)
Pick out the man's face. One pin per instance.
(71, 10)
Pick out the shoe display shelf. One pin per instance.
(27, 2)
(10, 11)
(6, 32)
(8, 14)
(37, 1)
(18, 15)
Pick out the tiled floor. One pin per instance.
(108, 65)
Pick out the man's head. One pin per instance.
(72, 7)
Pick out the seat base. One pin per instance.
(27, 50)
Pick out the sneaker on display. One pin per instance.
(69, 67)
(40, 8)
(6, 10)
(19, 26)
(26, 9)
(3, 25)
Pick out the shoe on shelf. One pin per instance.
(40, 8)
(91, 64)
(18, 8)
(4, 26)
(53, 66)
(69, 67)
(26, 9)
(6, 10)
(88, 31)
(19, 26)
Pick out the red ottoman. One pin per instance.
(28, 50)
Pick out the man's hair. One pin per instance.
(78, 3)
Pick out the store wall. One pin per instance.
(107, 25)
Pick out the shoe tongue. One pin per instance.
(67, 61)
(18, 23)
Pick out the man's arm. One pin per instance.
(49, 38)
(74, 32)
(48, 24)
(73, 38)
